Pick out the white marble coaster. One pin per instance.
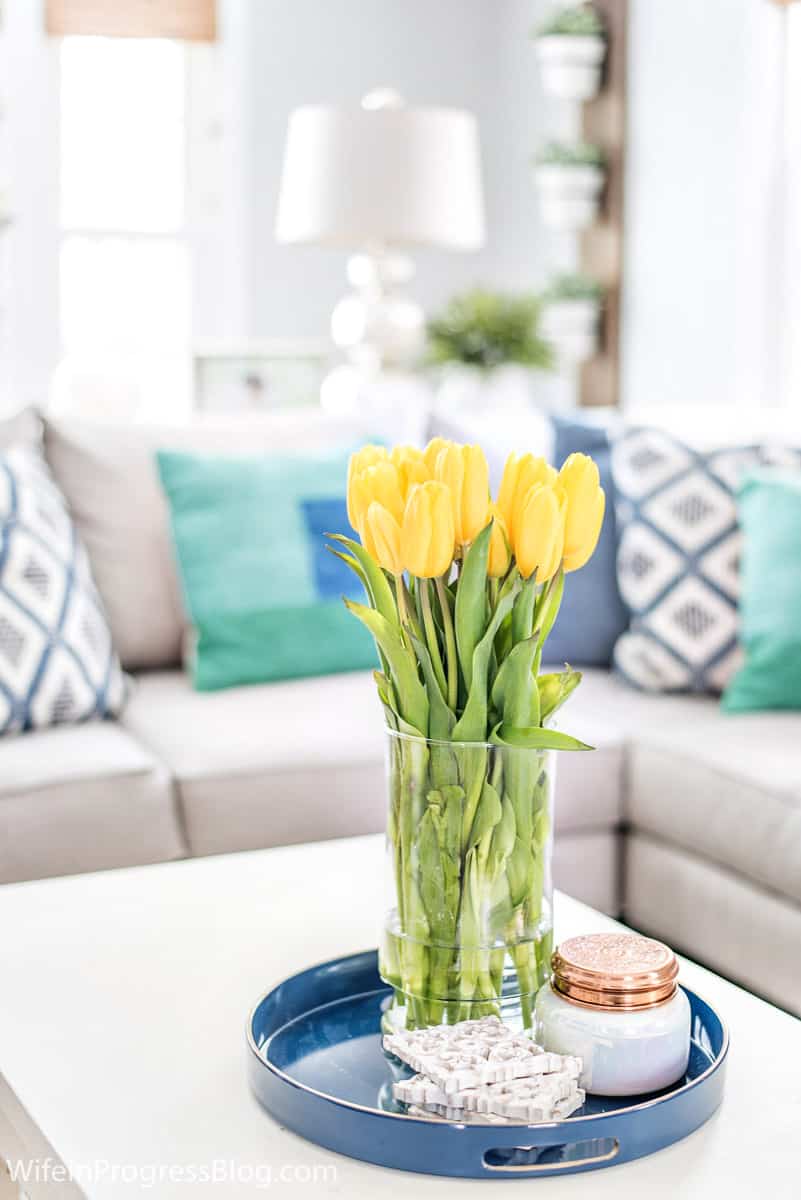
(471, 1053)
(534, 1107)
(487, 1098)
(529, 1113)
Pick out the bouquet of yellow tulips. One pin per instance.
(462, 592)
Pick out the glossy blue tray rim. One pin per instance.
(589, 1118)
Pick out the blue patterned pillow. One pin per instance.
(57, 663)
(592, 616)
(678, 559)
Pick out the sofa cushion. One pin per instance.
(718, 917)
(269, 764)
(304, 760)
(725, 787)
(263, 592)
(108, 475)
(587, 865)
(83, 799)
(57, 664)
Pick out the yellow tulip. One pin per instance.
(464, 469)
(368, 456)
(521, 473)
(411, 466)
(431, 453)
(427, 534)
(540, 536)
(380, 483)
(499, 553)
(383, 538)
(585, 509)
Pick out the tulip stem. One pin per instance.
(450, 644)
(431, 634)
(543, 602)
(403, 611)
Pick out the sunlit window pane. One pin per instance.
(122, 134)
(131, 295)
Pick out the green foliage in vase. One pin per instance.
(462, 591)
(580, 20)
(487, 329)
(570, 154)
(572, 287)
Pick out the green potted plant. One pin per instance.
(571, 47)
(487, 344)
(571, 307)
(570, 178)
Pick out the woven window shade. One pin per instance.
(189, 20)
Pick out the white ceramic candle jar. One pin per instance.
(614, 1001)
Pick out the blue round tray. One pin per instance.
(315, 1063)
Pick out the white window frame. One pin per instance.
(218, 223)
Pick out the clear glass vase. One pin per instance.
(468, 925)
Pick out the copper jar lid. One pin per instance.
(614, 970)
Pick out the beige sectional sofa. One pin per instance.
(685, 820)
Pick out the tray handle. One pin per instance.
(519, 1160)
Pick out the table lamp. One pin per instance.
(377, 180)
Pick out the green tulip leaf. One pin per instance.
(354, 565)
(520, 871)
(503, 838)
(498, 690)
(488, 814)
(535, 738)
(472, 725)
(471, 603)
(435, 874)
(548, 609)
(441, 719)
(385, 695)
(521, 698)
(377, 584)
(412, 696)
(523, 611)
(444, 767)
(555, 689)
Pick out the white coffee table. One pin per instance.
(123, 1002)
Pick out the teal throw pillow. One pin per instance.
(262, 592)
(770, 603)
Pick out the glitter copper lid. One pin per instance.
(614, 970)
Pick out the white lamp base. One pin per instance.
(376, 327)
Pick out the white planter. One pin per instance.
(569, 195)
(470, 391)
(571, 326)
(571, 66)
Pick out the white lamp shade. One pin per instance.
(389, 176)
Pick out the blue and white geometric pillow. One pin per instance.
(57, 664)
(679, 557)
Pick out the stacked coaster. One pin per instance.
(482, 1071)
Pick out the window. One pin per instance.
(124, 262)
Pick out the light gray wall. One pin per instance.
(468, 53)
